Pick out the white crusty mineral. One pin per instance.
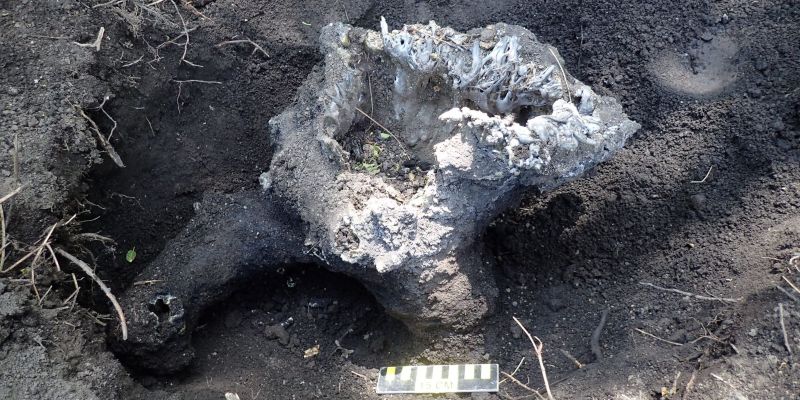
(488, 113)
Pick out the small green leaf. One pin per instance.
(376, 151)
(130, 255)
(371, 168)
(385, 136)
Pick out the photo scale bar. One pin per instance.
(455, 378)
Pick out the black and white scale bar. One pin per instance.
(456, 378)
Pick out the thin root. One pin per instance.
(255, 45)
(88, 271)
(537, 348)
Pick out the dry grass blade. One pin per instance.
(3, 238)
(696, 296)
(563, 74)
(37, 251)
(10, 195)
(88, 271)
(537, 348)
(785, 335)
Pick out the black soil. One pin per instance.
(704, 199)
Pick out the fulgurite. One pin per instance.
(478, 117)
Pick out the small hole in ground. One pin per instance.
(316, 307)
(159, 308)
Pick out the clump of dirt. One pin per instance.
(704, 199)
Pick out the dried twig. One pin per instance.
(791, 284)
(783, 329)
(657, 338)
(537, 348)
(44, 296)
(786, 292)
(345, 11)
(696, 296)
(97, 42)
(255, 45)
(522, 385)
(150, 282)
(3, 237)
(102, 138)
(108, 3)
(10, 195)
(571, 358)
(53, 256)
(132, 63)
(74, 296)
(184, 33)
(37, 251)
(515, 369)
(88, 271)
(689, 385)
(16, 158)
(705, 177)
(595, 342)
(359, 375)
(717, 377)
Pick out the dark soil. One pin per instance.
(705, 199)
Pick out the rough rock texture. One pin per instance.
(397, 153)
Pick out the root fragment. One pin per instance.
(256, 46)
(595, 342)
(696, 296)
(88, 271)
(657, 338)
(97, 42)
(537, 349)
(104, 141)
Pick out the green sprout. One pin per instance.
(130, 255)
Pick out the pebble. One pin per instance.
(12, 91)
(697, 201)
(761, 64)
(554, 304)
(516, 331)
(233, 319)
(277, 332)
(377, 344)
